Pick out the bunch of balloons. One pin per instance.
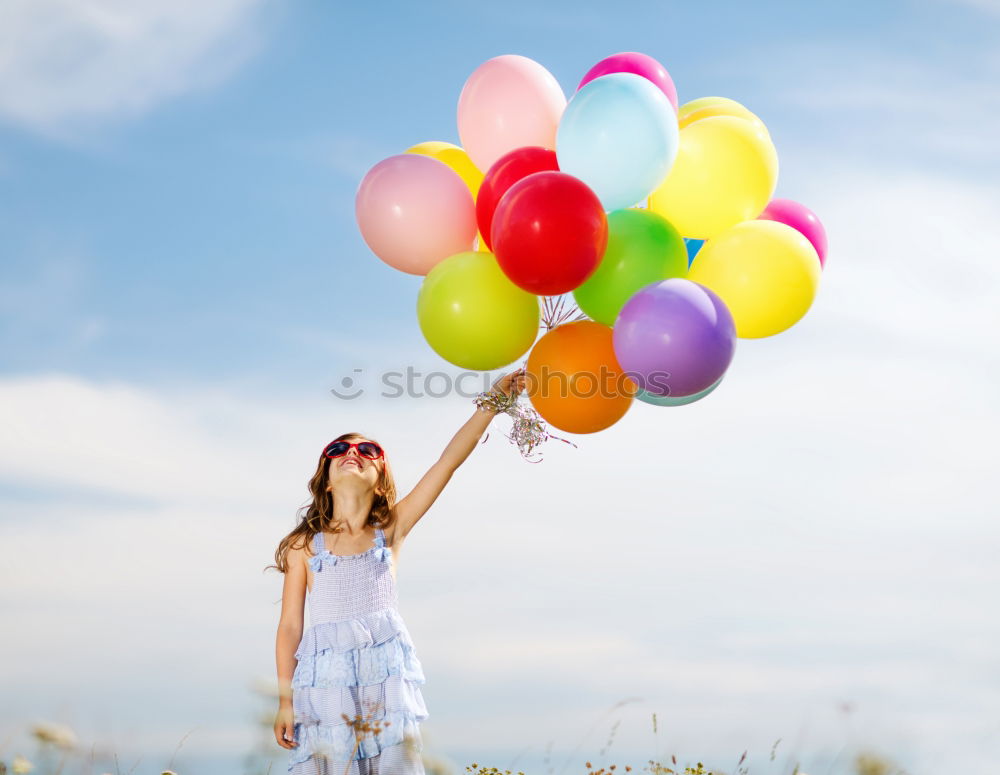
(659, 218)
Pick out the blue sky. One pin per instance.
(232, 201)
(182, 281)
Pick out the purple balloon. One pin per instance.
(675, 337)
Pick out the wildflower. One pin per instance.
(56, 734)
(20, 765)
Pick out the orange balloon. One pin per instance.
(574, 380)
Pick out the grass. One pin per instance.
(61, 753)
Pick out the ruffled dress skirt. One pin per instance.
(366, 669)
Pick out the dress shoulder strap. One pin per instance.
(379, 537)
(318, 545)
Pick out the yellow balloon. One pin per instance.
(719, 106)
(725, 172)
(766, 272)
(691, 106)
(459, 161)
(454, 157)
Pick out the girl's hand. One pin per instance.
(284, 724)
(512, 382)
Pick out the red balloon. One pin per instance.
(549, 233)
(505, 172)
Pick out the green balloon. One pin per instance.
(473, 316)
(643, 248)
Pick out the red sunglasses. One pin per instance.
(368, 449)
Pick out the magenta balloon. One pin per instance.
(674, 338)
(640, 64)
(414, 211)
(800, 218)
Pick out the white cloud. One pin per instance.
(68, 64)
(686, 572)
(912, 254)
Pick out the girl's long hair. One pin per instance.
(318, 514)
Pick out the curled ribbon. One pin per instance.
(528, 430)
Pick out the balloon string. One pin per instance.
(554, 314)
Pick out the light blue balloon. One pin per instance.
(693, 246)
(618, 135)
(655, 400)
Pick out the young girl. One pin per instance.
(356, 658)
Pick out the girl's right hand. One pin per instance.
(284, 725)
(512, 381)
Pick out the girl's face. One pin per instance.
(354, 470)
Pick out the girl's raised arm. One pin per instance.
(410, 509)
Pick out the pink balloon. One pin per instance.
(639, 64)
(414, 211)
(509, 102)
(800, 218)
